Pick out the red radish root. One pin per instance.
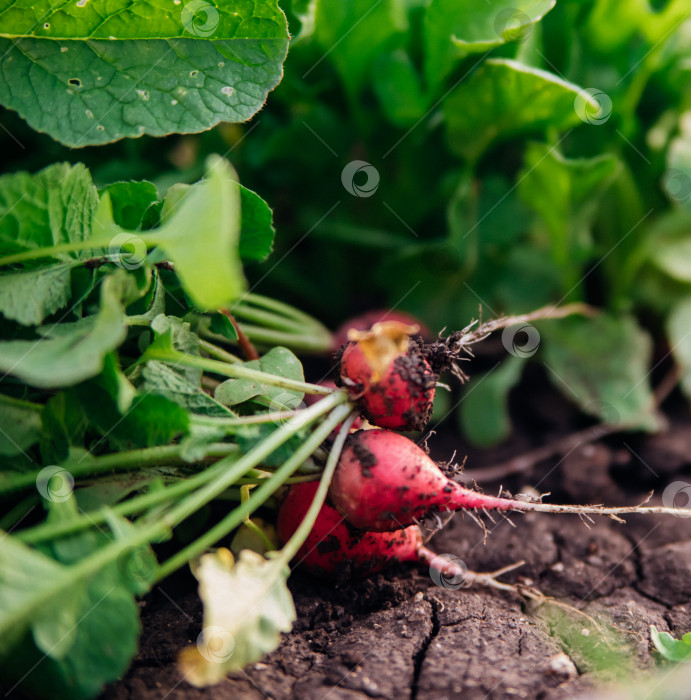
(386, 372)
(334, 549)
(384, 482)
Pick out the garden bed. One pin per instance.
(398, 635)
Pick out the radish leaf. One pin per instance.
(70, 352)
(503, 98)
(453, 30)
(602, 364)
(246, 606)
(101, 71)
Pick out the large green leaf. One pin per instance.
(69, 352)
(26, 575)
(353, 33)
(246, 607)
(53, 206)
(603, 364)
(29, 296)
(84, 633)
(565, 192)
(504, 97)
(97, 71)
(455, 29)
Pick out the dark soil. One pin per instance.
(398, 635)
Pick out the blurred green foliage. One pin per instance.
(522, 154)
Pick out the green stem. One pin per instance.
(67, 577)
(279, 307)
(250, 460)
(236, 371)
(123, 461)
(267, 319)
(54, 250)
(316, 342)
(219, 353)
(262, 493)
(46, 531)
(300, 535)
(254, 419)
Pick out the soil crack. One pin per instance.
(419, 658)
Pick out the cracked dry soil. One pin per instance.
(398, 635)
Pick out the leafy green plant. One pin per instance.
(670, 648)
(513, 158)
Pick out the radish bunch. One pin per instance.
(385, 483)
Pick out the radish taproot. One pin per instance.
(386, 372)
(335, 549)
(384, 482)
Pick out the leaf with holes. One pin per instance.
(94, 72)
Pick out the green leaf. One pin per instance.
(70, 352)
(26, 575)
(150, 420)
(200, 233)
(102, 71)
(398, 86)
(353, 33)
(669, 246)
(130, 202)
(221, 324)
(63, 425)
(603, 365)
(484, 410)
(163, 380)
(304, 11)
(106, 630)
(672, 649)
(565, 193)
(503, 98)
(174, 334)
(279, 361)
(453, 30)
(53, 206)
(29, 296)
(20, 425)
(257, 230)
(679, 333)
(677, 178)
(246, 607)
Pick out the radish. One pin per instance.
(385, 370)
(333, 546)
(335, 549)
(384, 482)
(365, 321)
(393, 376)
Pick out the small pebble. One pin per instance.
(561, 666)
